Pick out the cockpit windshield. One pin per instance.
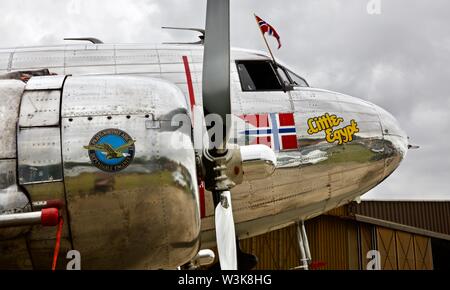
(296, 80)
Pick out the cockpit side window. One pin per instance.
(266, 76)
(258, 76)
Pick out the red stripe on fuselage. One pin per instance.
(201, 186)
(201, 192)
(187, 69)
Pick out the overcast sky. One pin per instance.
(398, 59)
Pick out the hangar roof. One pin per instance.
(429, 218)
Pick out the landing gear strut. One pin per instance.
(305, 253)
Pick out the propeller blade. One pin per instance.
(225, 233)
(216, 61)
(216, 100)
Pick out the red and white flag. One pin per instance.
(266, 27)
(276, 130)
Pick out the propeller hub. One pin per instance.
(225, 175)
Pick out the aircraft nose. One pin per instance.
(395, 141)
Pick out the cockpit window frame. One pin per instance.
(245, 90)
(289, 72)
(274, 66)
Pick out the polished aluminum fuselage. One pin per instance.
(309, 181)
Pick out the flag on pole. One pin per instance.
(266, 27)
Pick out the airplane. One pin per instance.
(293, 152)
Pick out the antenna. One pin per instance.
(90, 39)
(202, 37)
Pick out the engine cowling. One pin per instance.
(106, 146)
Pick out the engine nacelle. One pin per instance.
(106, 146)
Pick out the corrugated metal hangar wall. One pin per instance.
(408, 236)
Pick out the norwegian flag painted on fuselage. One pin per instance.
(276, 130)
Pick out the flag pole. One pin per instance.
(265, 41)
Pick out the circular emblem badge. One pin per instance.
(111, 150)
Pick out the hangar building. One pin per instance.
(409, 235)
